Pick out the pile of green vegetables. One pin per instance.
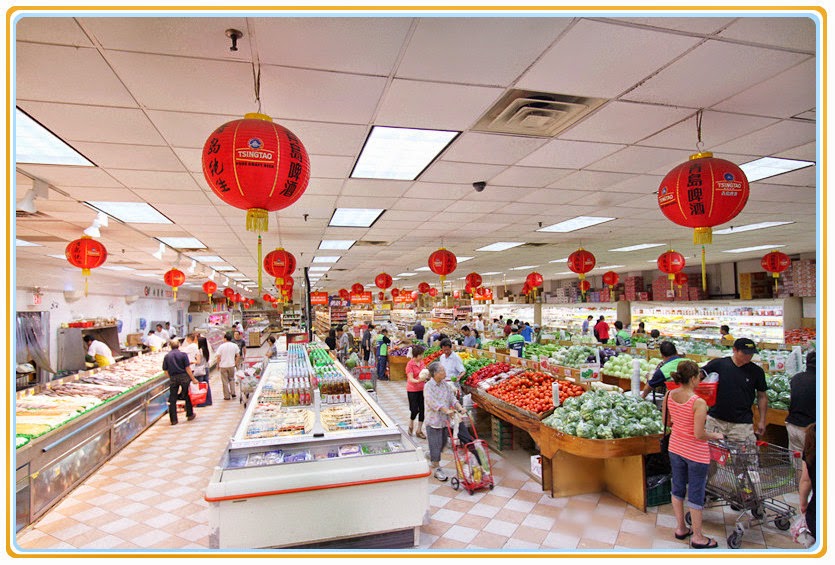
(603, 415)
(778, 392)
(497, 343)
(476, 363)
(539, 350)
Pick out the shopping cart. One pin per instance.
(363, 374)
(248, 377)
(472, 459)
(748, 476)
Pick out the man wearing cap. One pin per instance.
(740, 381)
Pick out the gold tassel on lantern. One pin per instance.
(703, 235)
(257, 220)
(85, 273)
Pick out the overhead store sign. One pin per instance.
(318, 297)
(361, 298)
(483, 294)
(404, 298)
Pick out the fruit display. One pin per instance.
(431, 357)
(574, 356)
(487, 372)
(569, 390)
(802, 336)
(495, 343)
(476, 363)
(529, 390)
(598, 414)
(537, 351)
(621, 367)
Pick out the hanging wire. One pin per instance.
(699, 144)
(256, 67)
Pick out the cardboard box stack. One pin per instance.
(661, 288)
(804, 277)
(632, 287)
(696, 292)
(786, 284)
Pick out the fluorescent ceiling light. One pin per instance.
(406, 274)
(223, 268)
(182, 242)
(639, 246)
(565, 273)
(575, 224)
(21, 243)
(755, 248)
(355, 217)
(207, 258)
(501, 245)
(463, 259)
(749, 227)
(336, 243)
(395, 279)
(130, 212)
(320, 269)
(771, 166)
(400, 153)
(492, 273)
(236, 275)
(327, 259)
(119, 268)
(36, 144)
(608, 267)
(64, 257)
(523, 268)
(148, 274)
(423, 269)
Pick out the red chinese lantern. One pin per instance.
(585, 286)
(433, 292)
(671, 262)
(456, 294)
(442, 262)
(247, 305)
(174, 278)
(423, 287)
(526, 289)
(267, 297)
(775, 263)
(581, 262)
(534, 279)
(473, 279)
(681, 279)
(381, 295)
(275, 304)
(344, 294)
(209, 287)
(702, 193)
(395, 292)
(279, 264)
(414, 295)
(256, 165)
(357, 288)
(610, 278)
(86, 253)
(383, 281)
(238, 298)
(229, 293)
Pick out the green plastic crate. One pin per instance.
(660, 494)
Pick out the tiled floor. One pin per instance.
(151, 496)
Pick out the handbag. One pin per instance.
(199, 370)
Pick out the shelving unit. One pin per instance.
(523, 312)
(382, 313)
(322, 321)
(360, 317)
(462, 313)
(446, 315)
(571, 316)
(288, 317)
(404, 315)
(760, 320)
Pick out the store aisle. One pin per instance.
(151, 496)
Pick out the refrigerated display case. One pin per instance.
(570, 317)
(339, 475)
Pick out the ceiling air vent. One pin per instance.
(29, 215)
(539, 114)
(367, 243)
(537, 244)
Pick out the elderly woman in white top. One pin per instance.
(440, 404)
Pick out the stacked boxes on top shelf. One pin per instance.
(803, 277)
(660, 288)
(633, 287)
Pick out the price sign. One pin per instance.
(36, 299)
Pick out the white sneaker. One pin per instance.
(440, 475)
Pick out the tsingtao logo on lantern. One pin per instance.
(254, 151)
(665, 196)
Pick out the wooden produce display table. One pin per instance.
(397, 367)
(514, 415)
(573, 465)
(775, 426)
(625, 384)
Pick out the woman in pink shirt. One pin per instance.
(414, 390)
(689, 452)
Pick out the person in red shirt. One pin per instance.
(507, 328)
(414, 390)
(601, 329)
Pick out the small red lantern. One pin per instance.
(174, 278)
(423, 287)
(247, 305)
(534, 280)
(775, 263)
(671, 262)
(442, 262)
(581, 262)
(395, 292)
(267, 297)
(275, 304)
(585, 286)
(344, 294)
(209, 287)
(526, 288)
(238, 298)
(279, 264)
(357, 288)
(256, 165)
(456, 294)
(433, 292)
(414, 295)
(681, 279)
(610, 278)
(473, 279)
(381, 295)
(86, 253)
(229, 293)
(383, 281)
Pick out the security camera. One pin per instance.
(479, 186)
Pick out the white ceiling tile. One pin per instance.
(371, 201)
(122, 156)
(452, 107)
(602, 59)
(315, 205)
(717, 128)
(474, 203)
(802, 177)
(63, 65)
(636, 184)
(184, 198)
(324, 187)
(534, 177)
(443, 49)
(67, 176)
(688, 24)
(568, 154)
(464, 173)
(158, 180)
(551, 196)
(806, 152)
(791, 33)
(328, 166)
(642, 160)
(788, 94)
(348, 44)
(368, 187)
(321, 138)
(491, 148)
(581, 180)
(82, 193)
(187, 129)
(425, 203)
(64, 31)
(624, 122)
(460, 217)
(693, 81)
(401, 227)
(772, 139)
(73, 122)
(192, 159)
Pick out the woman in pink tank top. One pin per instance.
(689, 453)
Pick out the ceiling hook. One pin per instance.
(234, 35)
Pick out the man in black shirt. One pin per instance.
(419, 330)
(365, 343)
(241, 343)
(803, 403)
(740, 381)
(177, 368)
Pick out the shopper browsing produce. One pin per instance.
(654, 336)
(526, 331)
(177, 368)
(802, 403)
(99, 351)
(601, 330)
(515, 341)
(228, 354)
(469, 338)
(586, 324)
(330, 341)
(508, 327)
(670, 360)
(689, 452)
(622, 337)
(452, 363)
(479, 324)
(740, 382)
(419, 330)
(641, 329)
(382, 353)
(272, 350)
(440, 405)
(241, 343)
(537, 334)
(365, 343)
(725, 336)
(416, 377)
(343, 343)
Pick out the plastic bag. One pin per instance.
(800, 532)
(197, 392)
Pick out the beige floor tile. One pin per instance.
(489, 541)
(511, 516)
(549, 511)
(494, 500)
(42, 542)
(56, 525)
(586, 543)
(459, 505)
(443, 543)
(635, 541)
(603, 521)
(103, 541)
(530, 534)
(560, 540)
(472, 521)
(513, 483)
(436, 528)
(642, 528)
(575, 503)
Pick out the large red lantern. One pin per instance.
(433, 292)
(395, 292)
(534, 280)
(344, 294)
(209, 287)
(442, 262)
(357, 288)
(383, 281)
(473, 279)
(174, 278)
(611, 278)
(702, 193)
(423, 287)
(256, 165)
(581, 262)
(229, 293)
(775, 263)
(280, 263)
(86, 253)
(681, 279)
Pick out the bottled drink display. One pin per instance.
(333, 386)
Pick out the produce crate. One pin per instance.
(502, 434)
(659, 494)
(397, 367)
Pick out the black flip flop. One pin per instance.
(711, 544)
(685, 536)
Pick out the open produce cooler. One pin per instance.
(326, 469)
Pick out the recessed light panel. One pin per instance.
(423, 269)
(36, 144)
(118, 268)
(770, 167)
(755, 248)
(749, 227)
(491, 273)
(327, 259)
(463, 259)
(224, 268)
(355, 217)
(182, 242)
(639, 246)
(22, 243)
(400, 153)
(575, 224)
(130, 212)
(207, 258)
(336, 243)
(320, 269)
(524, 267)
(501, 246)
(563, 260)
